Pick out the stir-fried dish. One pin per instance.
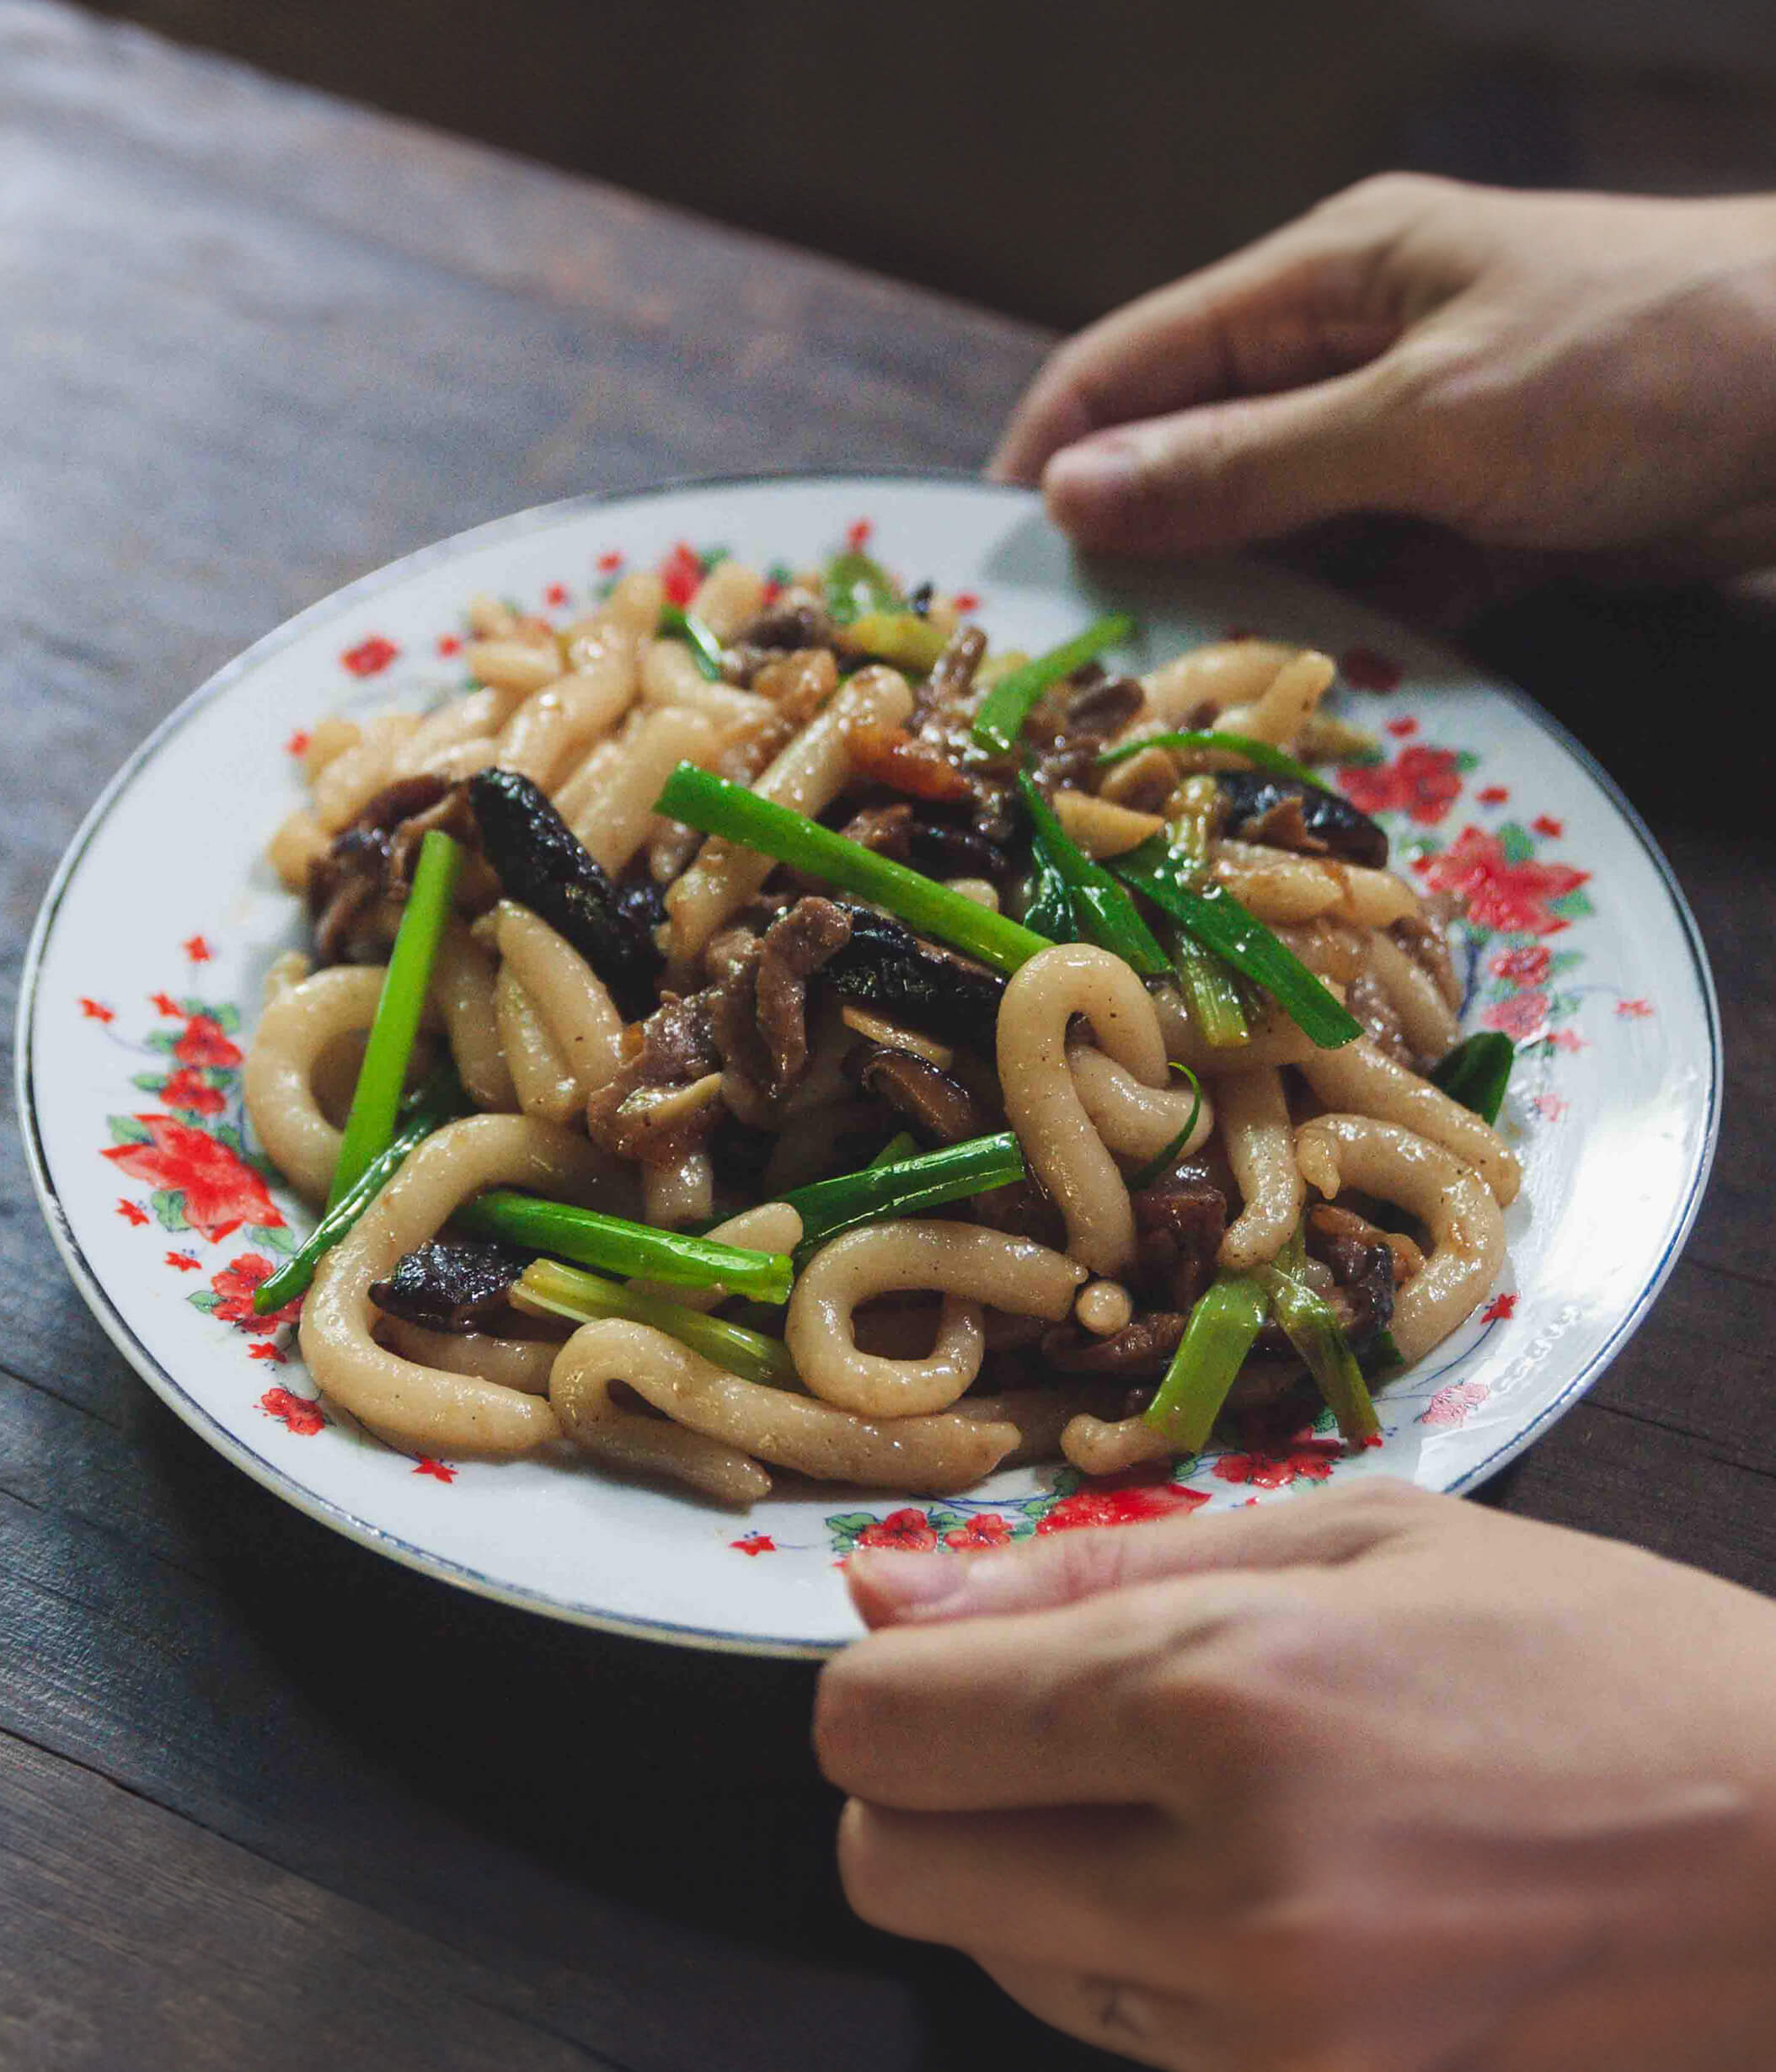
(779, 1033)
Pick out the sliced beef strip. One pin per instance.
(367, 863)
(1423, 939)
(451, 1282)
(759, 1002)
(1179, 1225)
(1143, 1348)
(951, 683)
(663, 1057)
(941, 848)
(792, 949)
(1365, 1278)
(1367, 1000)
(940, 1109)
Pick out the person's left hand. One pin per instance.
(1370, 1781)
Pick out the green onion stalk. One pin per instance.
(738, 814)
(547, 1288)
(617, 1246)
(1204, 1368)
(1260, 754)
(425, 1110)
(909, 1187)
(705, 648)
(1100, 909)
(1003, 712)
(389, 1050)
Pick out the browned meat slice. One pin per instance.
(902, 761)
(370, 862)
(758, 1004)
(940, 1109)
(799, 683)
(1024, 1209)
(796, 619)
(664, 1101)
(1364, 1273)
(1327, 1218)
(938, 847)
(944, 692)
(1142, 1347)
(1423, 940)
(1367, 1000)
(1179, 1226)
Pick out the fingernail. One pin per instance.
(890, 1586)
(1089, 476)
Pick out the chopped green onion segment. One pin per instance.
(1004, 709)
(1477, 1072)
(426, 1109)
(902, 638)
(1312, 1328)
(907, 1188)
(905, 1145)
(705, 647)
(1220, 923)
(558, 1290)
(856, 586)
(1260, 754)
(617, 1246)
(1206, 1364)
(1101, 909)
(1169, 1157)
(389, 1051)
(739, 815)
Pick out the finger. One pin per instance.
(1151, 2028)
(1233, 473)
(1337, 1526)
(1005, 1713)
(1296, 307)
(1098, 1887)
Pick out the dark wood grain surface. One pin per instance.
(265, 1800)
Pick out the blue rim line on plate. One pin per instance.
(338, 604)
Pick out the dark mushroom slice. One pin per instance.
(542, 865)
(939, 848)
(885, 964)
(366, 861)
(451, 1282)
(1289, 815)
(940, 1109)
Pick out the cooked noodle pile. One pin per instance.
(750, 1030)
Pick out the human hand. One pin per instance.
(1370, 1781)
(1539, 376)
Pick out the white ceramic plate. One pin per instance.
(146, 964)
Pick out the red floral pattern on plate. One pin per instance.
(1497, 892)
(1312, 1462)
(221, 1190)
(1523, 1016)
(1452, 1406)
(370, 657)
(1119, 1502)
(301, 1414)
(1422, 782)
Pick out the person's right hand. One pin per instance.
(1544, 375)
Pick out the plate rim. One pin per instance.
(337, 603)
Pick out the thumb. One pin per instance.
(1231, 474)
(1325, 1530)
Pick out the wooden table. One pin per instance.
(266, 1800)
